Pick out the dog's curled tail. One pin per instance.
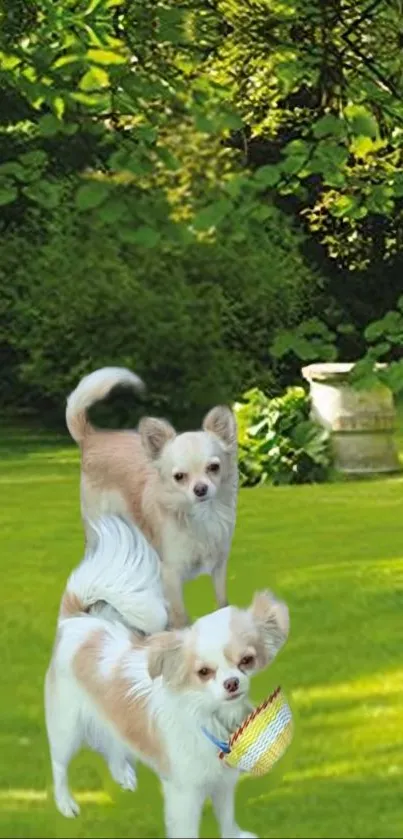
(91, 389)
(122, 570)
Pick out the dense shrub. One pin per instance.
(278, 442)
(196, 321)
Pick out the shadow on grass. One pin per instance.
(330, 808)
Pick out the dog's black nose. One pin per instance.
(200, 490)
(231, 685)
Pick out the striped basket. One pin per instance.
(262, 738)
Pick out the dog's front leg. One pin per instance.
(223, 799)
(183, 806)
(173, 590)
(219, 575)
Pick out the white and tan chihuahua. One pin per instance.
(180, 489)
(130, 698)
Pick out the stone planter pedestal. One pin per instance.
(361, 422)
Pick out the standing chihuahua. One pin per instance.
(180, 489)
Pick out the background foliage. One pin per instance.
(278, 442)
(208, 191)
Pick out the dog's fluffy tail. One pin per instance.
(121, 570)
(91, 389)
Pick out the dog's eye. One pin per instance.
(204, 672)
(246, 661)
(179, 476)
(213, 467)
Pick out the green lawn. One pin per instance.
(333, 552)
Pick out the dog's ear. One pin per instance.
(166, 658)
(272, 620)
(155, 433)
(221, 422)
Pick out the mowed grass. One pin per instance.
(334, 552)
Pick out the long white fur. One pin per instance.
(121, 568)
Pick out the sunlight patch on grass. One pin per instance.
(27, 796)
(366, 569)
(379, 684)
(34, 479)
(358, 768)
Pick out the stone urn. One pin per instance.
(361, 422)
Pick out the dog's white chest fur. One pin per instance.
(200, 540)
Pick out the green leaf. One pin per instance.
(374, 330)
(94, 79)
(106, 57)
(49, 125)
(93, 4)
(394, 376)
(145, 236)
(146, 134)
(293, 165)
(304, 348)
(262, 212)
(119, 160)
(297, 147)
(328, 158)
(58, 106)
(381, 349)
(380, 199)
(212, 215)
(231, 121)
(91, 195)
(44, 193)
(362, 121)
(282, 344)
(100, 101)
(37, 159)
(171, 25)
(362, 146)
(314, 326)
(206, 124)
(267, 175)
(346, 205)
(9, 62)
(13, 168)
(64, 60)
(334, 177)
(8, 194)
(329, 125)
(168, 159)
(346, 329)
(112, 210)
(398, 184)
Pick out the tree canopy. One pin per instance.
(167, 122)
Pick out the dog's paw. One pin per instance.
(243, 834)
(129, 779)
(68, 806)
(125, 776)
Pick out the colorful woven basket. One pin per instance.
(262, 738)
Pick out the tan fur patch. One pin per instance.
(173, 657)
(71, 605)
(245, 640)
(155, 433)
(170, 658)
(116, 460)
(128, 713)
(272, 621)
